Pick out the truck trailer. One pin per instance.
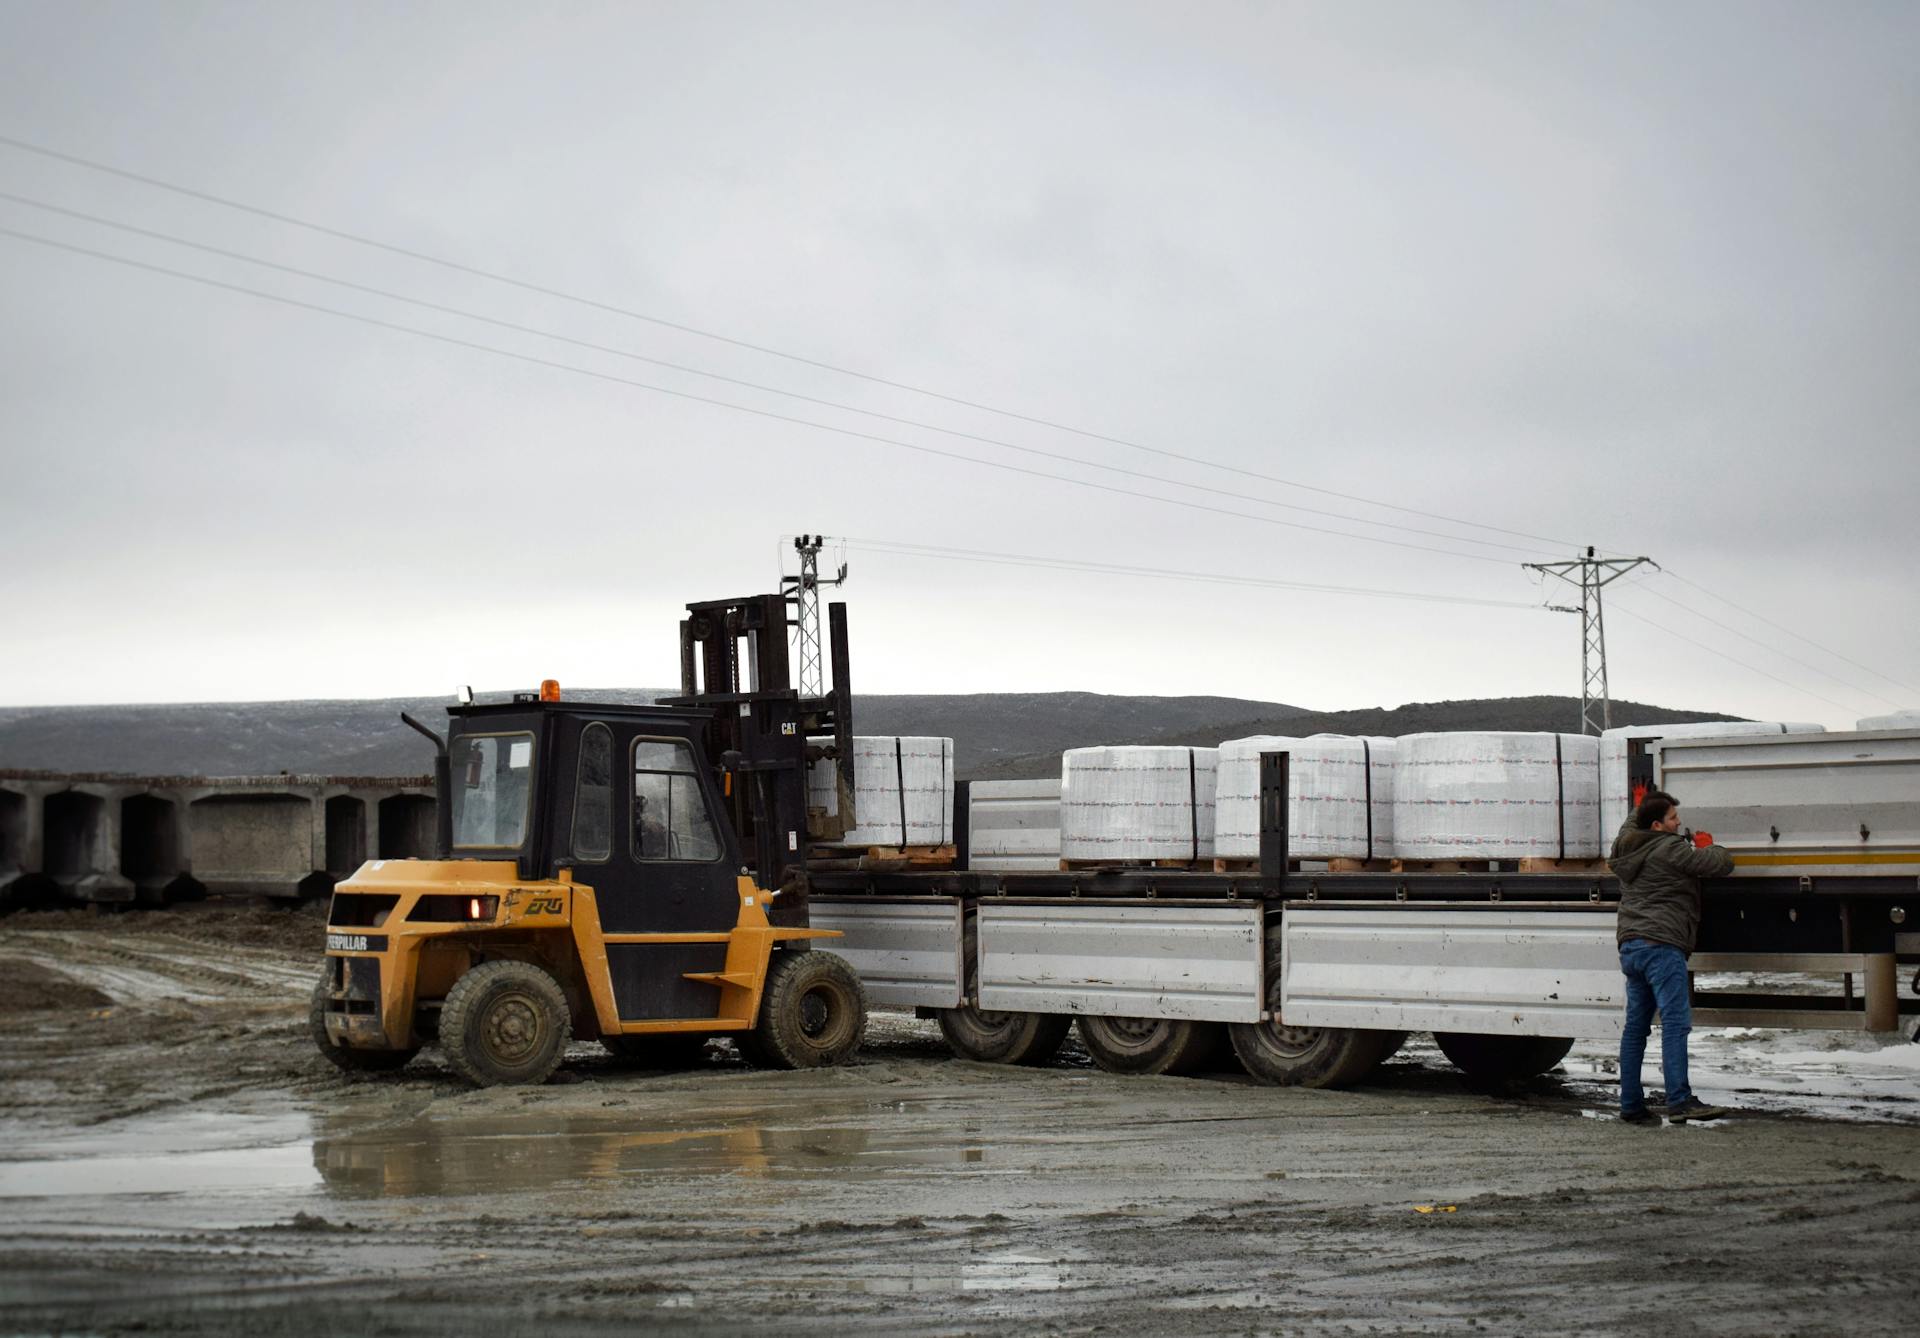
(1316, 974)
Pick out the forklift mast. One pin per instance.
(765, 736)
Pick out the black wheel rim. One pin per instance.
(822, 1013)
(514, 1029)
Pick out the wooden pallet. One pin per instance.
(882, 858)
(1335, 865)
(1545, 865)
(1441, 866)
(1094, 865)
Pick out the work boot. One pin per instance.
(1639, 1115)
(1693, 1108)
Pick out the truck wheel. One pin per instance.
(1004, 1038)
(813, 1013)
(1288, 1056)
(1502, 1058)
(669, 1050)
(505, 1023)
(347, 1058)
(1149, 1044)
(998, 1038)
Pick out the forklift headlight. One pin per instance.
(482, 908)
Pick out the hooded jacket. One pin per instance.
(1659, 875)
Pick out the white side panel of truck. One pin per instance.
(1494, 971)
(1813, 804)
(1122, 959)
(907, 953)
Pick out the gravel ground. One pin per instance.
(175, 1157)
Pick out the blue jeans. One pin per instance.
(1656, 978)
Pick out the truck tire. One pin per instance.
(1502, 1058)
(346, 1058)
(664, 1051)
(999, 1038)
(1150, 1044)
(813, 1013)
(505, 1023)
(1288, 1056)
(1004, 1038)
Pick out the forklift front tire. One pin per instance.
(505, 1022)
(813, 1013)
(344, 1057)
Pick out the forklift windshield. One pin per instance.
(492, 777)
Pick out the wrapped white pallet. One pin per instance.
(1487, 795)
(1616, 787)
(1906, 719)
(902, 790)
(1339, 796)
(1137, 803)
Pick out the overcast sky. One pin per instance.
(1636, 276)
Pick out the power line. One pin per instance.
(903, 548)
(1855, 687)
(544, 291)
(724, 404)
(1714, 650)
(443, 309)
(1759, 617)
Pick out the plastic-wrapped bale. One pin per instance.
(1616, 787)
(902, 790)
(1339, 796)
(1907, 719)
(1144, 803)
(1497, 796)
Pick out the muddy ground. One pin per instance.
(175, 1158)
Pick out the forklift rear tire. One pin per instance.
(1150, 1044)
(504, 1023)
(1502, 1058)
(667, 1051)
(813, 1013)
(347, 1058)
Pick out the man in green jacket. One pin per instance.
(1659, 872)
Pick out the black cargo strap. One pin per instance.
(1366, 766)
(1560, 780)
(1193, 806)
(946, 789)
(900, 777)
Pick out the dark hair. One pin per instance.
(1653, 808)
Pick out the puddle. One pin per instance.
(999, 1271)
(485, 1157)
(280, 1166)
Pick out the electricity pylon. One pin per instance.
(804, 592)
(1594, 573)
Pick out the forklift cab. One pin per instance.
(620, 798)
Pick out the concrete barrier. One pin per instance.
(148, 840)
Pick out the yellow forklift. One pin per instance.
(631, 874)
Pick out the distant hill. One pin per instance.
(1560, 714)
(995, 734)
(366, 738)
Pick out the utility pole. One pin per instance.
(1591, 574)
(803, 591)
